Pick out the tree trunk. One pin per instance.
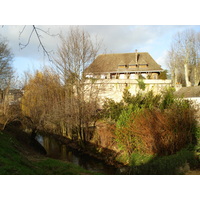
(174, 76)
(196, 78)
(63, 129)
(188, 83)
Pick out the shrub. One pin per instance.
(126, 140)
(165, 165)
(197, 136)
(146, 100)
(152, 124)
(150, 100)
(163, 75)
(156, 132)
(104, 134)
(137, 159)
(153, 131)
(141, 84)
(168, 98)
(112, 109)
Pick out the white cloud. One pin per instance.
(116, 38)
(21, 34)
(120, 39)
(162, 60)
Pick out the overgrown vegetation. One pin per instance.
(163, 75)
(141, 84)
(153, 127)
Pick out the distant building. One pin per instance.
(13, 96)
(124, 66)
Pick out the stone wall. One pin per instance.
(113, 88)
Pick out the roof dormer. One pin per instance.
(122, 65)
(132, 64)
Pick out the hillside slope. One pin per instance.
(17, 159)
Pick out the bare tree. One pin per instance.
(183, 57)
(6, 74)
(6, 70)
(173, 65)
(76, 52)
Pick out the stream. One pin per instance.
(58, 150)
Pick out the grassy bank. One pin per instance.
(17, 159)
(176, 164)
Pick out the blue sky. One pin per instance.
(155, 39)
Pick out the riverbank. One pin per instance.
(180, 163)
(106, 155)
(18, 157)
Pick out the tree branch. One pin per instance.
(36, 31)
(22, 46)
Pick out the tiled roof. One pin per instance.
(111, 62)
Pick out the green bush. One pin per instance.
(153, 131)
(112, 109)
(126, 140)
(166, 165)
(152, 124)
(137, 159)
(141, 84)
(196, 147)
(146, 100)
(163, 75)
(168, 98)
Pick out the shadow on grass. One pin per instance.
(176, 164)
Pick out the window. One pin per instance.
(113, 76)
(122, 76)
(143, 65)
(122, 66)
(155, 76)
(132, 66)
(103, 76)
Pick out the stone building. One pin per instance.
(110, 74)
(124, 66)
(12, 96)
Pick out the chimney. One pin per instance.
(136, 57)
